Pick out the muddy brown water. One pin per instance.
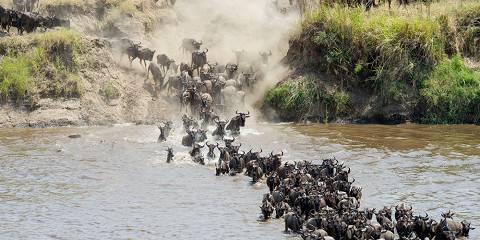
(113, 182)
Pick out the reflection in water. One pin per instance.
(113, 183)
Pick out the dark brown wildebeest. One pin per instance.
(190, 45)
(157, 75)
(144, 55)
(169, 155)
(199, 59)
(164, 62)
(129, 48)
(237, 122)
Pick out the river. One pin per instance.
(113, 182)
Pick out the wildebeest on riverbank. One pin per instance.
(28, 21)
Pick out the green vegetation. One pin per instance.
(396, 57)
(300, 98)
(40, 65)
(109, 91)
(452, 93)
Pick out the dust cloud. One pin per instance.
(252, 26)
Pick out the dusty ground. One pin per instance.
(99, 66)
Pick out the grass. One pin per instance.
(404, 56)
(40, 65)
(452, 93)
(109, 91)
(299, 99)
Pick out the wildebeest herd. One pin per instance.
(316, 200)
(28, 21)
(201, 86)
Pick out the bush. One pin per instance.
(452, 93)
(293, 98)
(110, 91)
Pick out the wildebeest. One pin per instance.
(198, 60)
(293, 222)
(231, 70)
(161, 137)
(220, 130)
(267, 209)
(157, 75)
(144, 55)
(264, 56)
(196, 150)
(190, 45)
(189, 139)
(129, 48)
(238, 121)
(164, 62)
(211, 150)
(169, 155)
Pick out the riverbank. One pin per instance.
(61, 78)
(383, 66)
(73, 77)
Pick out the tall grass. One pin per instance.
(452, 93)
(40, 64)
(409, 57)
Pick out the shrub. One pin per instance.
(110, 91)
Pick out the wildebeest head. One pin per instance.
(228, 142)
(265, 56)
(369, 213)
(220, 124)
(466, 227)
(448, 214)
(196, 45)
(243, 117)
(231, 69)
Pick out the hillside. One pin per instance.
(383, 66)
(73, 77)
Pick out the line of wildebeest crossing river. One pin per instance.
(317, 201)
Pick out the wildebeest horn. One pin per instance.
(206, 50)
(282, 153)
(396, 207)
(353, 180)
(410, 208)
(248, 113)
(217, 144)
(271, 154)
(236, 111)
